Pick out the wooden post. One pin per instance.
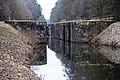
(63, 32)
(69, 32)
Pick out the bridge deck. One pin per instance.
(79, 21)
(37, 22)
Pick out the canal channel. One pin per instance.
(60, 60)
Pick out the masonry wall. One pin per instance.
(30, 32)
(77, 31)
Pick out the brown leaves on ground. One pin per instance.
(14, 56)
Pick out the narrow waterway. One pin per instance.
(73, 61)
(53, 70)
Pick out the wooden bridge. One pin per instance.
(32, 31)
(77, 31)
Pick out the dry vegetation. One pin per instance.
(14, 55)
(110, 36)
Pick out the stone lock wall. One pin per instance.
(31, 32)
(81, 31)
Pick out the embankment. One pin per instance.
(14, 55)
(110, 36)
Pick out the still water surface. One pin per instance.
(71, 61)
(53, 70)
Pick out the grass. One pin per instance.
(8, 29)
(37, 22)
(24, 21)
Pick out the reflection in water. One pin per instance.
(112, 54)
(78, 53)
(53, 70)
(39, 56)
(70, 61)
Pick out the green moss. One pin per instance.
(8, 29)
(81, 21)
(24, 21)
(20, 77)
(36, 22)
(96, 41)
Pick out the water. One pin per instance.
(52, 69)
(72, 61)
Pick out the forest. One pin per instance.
(19, 9)
(81, 9)
(63, 10)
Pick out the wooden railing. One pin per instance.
(108, 17)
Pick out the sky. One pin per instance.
(47, 6)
